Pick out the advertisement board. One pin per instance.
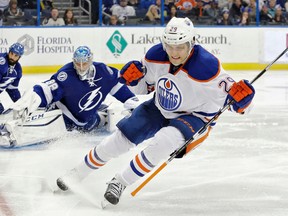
(54, 47)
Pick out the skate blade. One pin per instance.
(105, 203)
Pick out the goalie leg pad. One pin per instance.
(39, 127)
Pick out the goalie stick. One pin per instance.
(178, 151)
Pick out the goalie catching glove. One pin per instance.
(242, 93)
(132, 73)
(27, 104)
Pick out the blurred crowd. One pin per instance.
(205, 12)
(145, 12)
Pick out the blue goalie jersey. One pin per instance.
(78, 99)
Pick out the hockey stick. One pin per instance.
(174, 154)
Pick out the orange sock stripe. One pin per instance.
(141, 165)
(93, 161)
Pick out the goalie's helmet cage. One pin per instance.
(82, 60)
(179, 31)
(17, 48)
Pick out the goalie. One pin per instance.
(78, 89)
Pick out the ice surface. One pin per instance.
(241, 169)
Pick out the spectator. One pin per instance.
(279, 18)
(69, 18)
(46, 4)
(225, 4)
(166, 8)
(281, 3)
(186, 5)
(172, 13)
(134, 3)
(26, 4)
(252, 8)
(113, 21)
(225, 18)
(108, 4)
(13, 10)
(4, 4)
(152, 14)
(213, 9)
(286, 6)
(123, 11)
(265, 17)
(272, 7)
(245, 18)
(235, 11)
(54, 20)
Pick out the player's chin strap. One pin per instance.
(178, 151)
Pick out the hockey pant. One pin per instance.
(167, 136)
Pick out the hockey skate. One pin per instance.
(69, 179)
(114, 191)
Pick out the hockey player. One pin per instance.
(10, 73)
(190, 87)
(78, 89)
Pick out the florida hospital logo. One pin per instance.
(90, 100)
(169, 96)
(116, 43)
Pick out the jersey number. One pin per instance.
(52, 84)
(226, 84)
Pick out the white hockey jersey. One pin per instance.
(199, 86)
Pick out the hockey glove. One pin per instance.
(131, 103)
(242, 93)
(132, 73)
(27, 104)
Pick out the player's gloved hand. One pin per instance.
(27, 104)
(132, 73)
(131, 103)
(242, 93)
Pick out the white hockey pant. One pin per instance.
(165, 141)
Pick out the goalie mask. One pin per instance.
(179, 31)
(82, 60)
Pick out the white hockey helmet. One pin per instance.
(82, 60)
(179, 31)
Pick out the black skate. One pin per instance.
(70, 178)
(114, 191)
(61, 184)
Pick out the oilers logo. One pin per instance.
(90, 100)
(169, 96)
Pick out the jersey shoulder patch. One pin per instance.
(202, 65)
(157, 54)
(64, 72)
